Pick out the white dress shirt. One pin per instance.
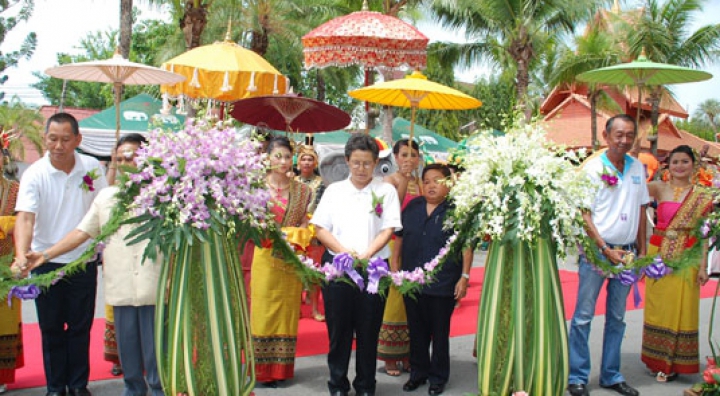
(348, 214)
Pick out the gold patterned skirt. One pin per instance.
(274, 316)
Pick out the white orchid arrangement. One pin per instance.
(521, 186)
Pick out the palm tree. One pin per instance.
(24, 124)
(710, 109)
(126, 22)
(664, 33)
(191, 15)
(594, 50)
(509, 33)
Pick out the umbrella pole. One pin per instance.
(412, 125)
(118, 92)
(638, 135)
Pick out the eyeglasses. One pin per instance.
(357, 165)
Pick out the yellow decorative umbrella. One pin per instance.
(224, 71)
(417, 92)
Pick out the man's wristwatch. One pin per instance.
(46, 257)
(466, 276)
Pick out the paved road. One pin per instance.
(311, 372)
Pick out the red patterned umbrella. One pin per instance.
(366, 38)
(291, 113)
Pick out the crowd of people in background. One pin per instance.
(51, 220)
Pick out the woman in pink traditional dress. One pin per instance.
(670, 329)
(394, 340)
(275, 288)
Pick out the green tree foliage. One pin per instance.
(148, 37)
(21, 122)
(24, 9)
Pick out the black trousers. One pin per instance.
(65, 314)
(348, 312)
(429, 321)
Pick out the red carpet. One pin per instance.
(312, 339)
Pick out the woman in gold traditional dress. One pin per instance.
(11, 349)
(275, 288)
(307, 164)
(394, 340)
(670, 330)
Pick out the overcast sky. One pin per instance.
(60, 25)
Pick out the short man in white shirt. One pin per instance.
(616, 223)
(130, 283)
(347, 222)
(55, 193)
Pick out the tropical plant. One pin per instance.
(27, 48)
(24, 124)
(593, 50)
(709, 110)
(664, 33)
(508, 34)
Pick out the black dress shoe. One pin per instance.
(622, 388)
(80, 392)
(412, 384)
(55, 394)
(578, 390)
(436, 389)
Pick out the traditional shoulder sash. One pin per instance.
(298, 200)
(696, 205)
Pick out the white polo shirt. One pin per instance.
(58, 201)
(616, 210)
(348, 214)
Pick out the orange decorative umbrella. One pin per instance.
(366, 38)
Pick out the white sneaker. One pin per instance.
(3, 388)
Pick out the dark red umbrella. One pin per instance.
(291, 113)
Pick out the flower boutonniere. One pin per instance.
(377, 204)
(609, 177)
(88, 180)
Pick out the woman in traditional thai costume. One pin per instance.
(275, 288)
(11, 348)
(670, 330)
(394, 341)
(307, 165)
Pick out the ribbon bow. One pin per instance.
(27, 292)
(377, 268)
(345, 263)
(657, 269)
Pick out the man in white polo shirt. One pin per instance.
(349, 220)
(55, 193)
(616, 223)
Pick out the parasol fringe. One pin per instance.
(275, 86)
(194, 82)
(252, 87)
(165, 104)
(226, 83)
(181, 105)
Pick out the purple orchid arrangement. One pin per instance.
(609, 177)
(199, 175)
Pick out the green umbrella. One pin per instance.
(643, 72)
